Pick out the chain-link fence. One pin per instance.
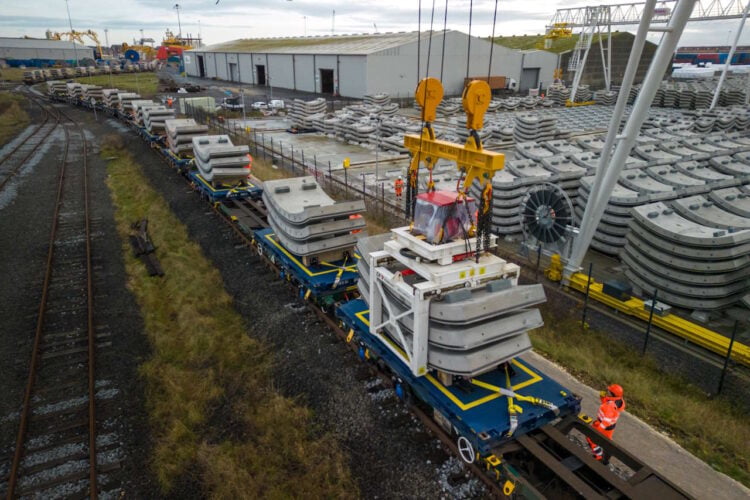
(337, 181)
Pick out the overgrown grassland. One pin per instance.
(711, 429)
(13, 118)
(210, 396)
(12, 74)
(145, 84)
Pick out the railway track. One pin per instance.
(14, 160)
(55, 452)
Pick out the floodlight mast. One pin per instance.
(609, 169)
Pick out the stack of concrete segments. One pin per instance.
(109, 97)
(75, 91)
(605, 97)
(302, 112)
(309, 223)
(566, 173)
(584, 93)
(180, 134)
(125, 100)
(634, 189)
(737, 165)
(57, 88)
(154, 118)
(695, 251)
(470, 330)
(139, 106)
(92, 92)
(56, 73)
(219, 161)
(509, 186)
(533, 150)
(381, 100)
(535, 127)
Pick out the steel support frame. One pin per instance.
(724, 72)
(609, 170)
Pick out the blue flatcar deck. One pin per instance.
(475, 407)
(181, 164)
(326, 278)
(216, 194)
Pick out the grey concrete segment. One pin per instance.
(732, 200)
(620, 194)
(743, 156)
(300, 200)
(679, 149)
(310, 247)
(706, 212)
(209, 147)
(654, 155)
(662, 220)
(527, 168)
(562, 147)
(605, 247)
(647, 186)
(533, 150)
(634, 239)
(695, 284)
(683, 183)
(564, 168)
(591, 142)
(731, 165)
(700, 145)
(323, 229)
(687, 251)
(701, 170)
(665, 295)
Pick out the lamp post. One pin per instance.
(70, 23)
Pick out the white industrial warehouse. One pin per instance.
(41, 52)
(357, 65)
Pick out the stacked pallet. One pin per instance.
(154, 118)
(180, 134)
(381, 100)
(695, 251)
(310, 224)
(219, 161)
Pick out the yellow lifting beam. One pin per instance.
(471, 159)
(476, 163)
(671, 323)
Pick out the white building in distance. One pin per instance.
(361, 64)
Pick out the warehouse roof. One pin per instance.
(355, 44)
(37, 43)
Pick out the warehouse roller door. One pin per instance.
(529, 79)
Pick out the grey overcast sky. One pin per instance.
(232, 19)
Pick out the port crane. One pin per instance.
(77, 36)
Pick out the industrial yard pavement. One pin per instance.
(653, 448)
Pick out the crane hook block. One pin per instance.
(476, 100)
(428, 95)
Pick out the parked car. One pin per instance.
(232, 103)
(259, 105)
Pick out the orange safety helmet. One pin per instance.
(615, 390)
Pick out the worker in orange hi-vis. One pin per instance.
(612, 405)
(398, 186)
(169, 102)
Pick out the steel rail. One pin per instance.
(40, 325)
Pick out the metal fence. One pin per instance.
(338, 182)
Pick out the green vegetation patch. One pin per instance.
(12, 74)
(212, 406)
(145, 84)
(264, 44)
(532, 42)
(13, 118)
(711, 429)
